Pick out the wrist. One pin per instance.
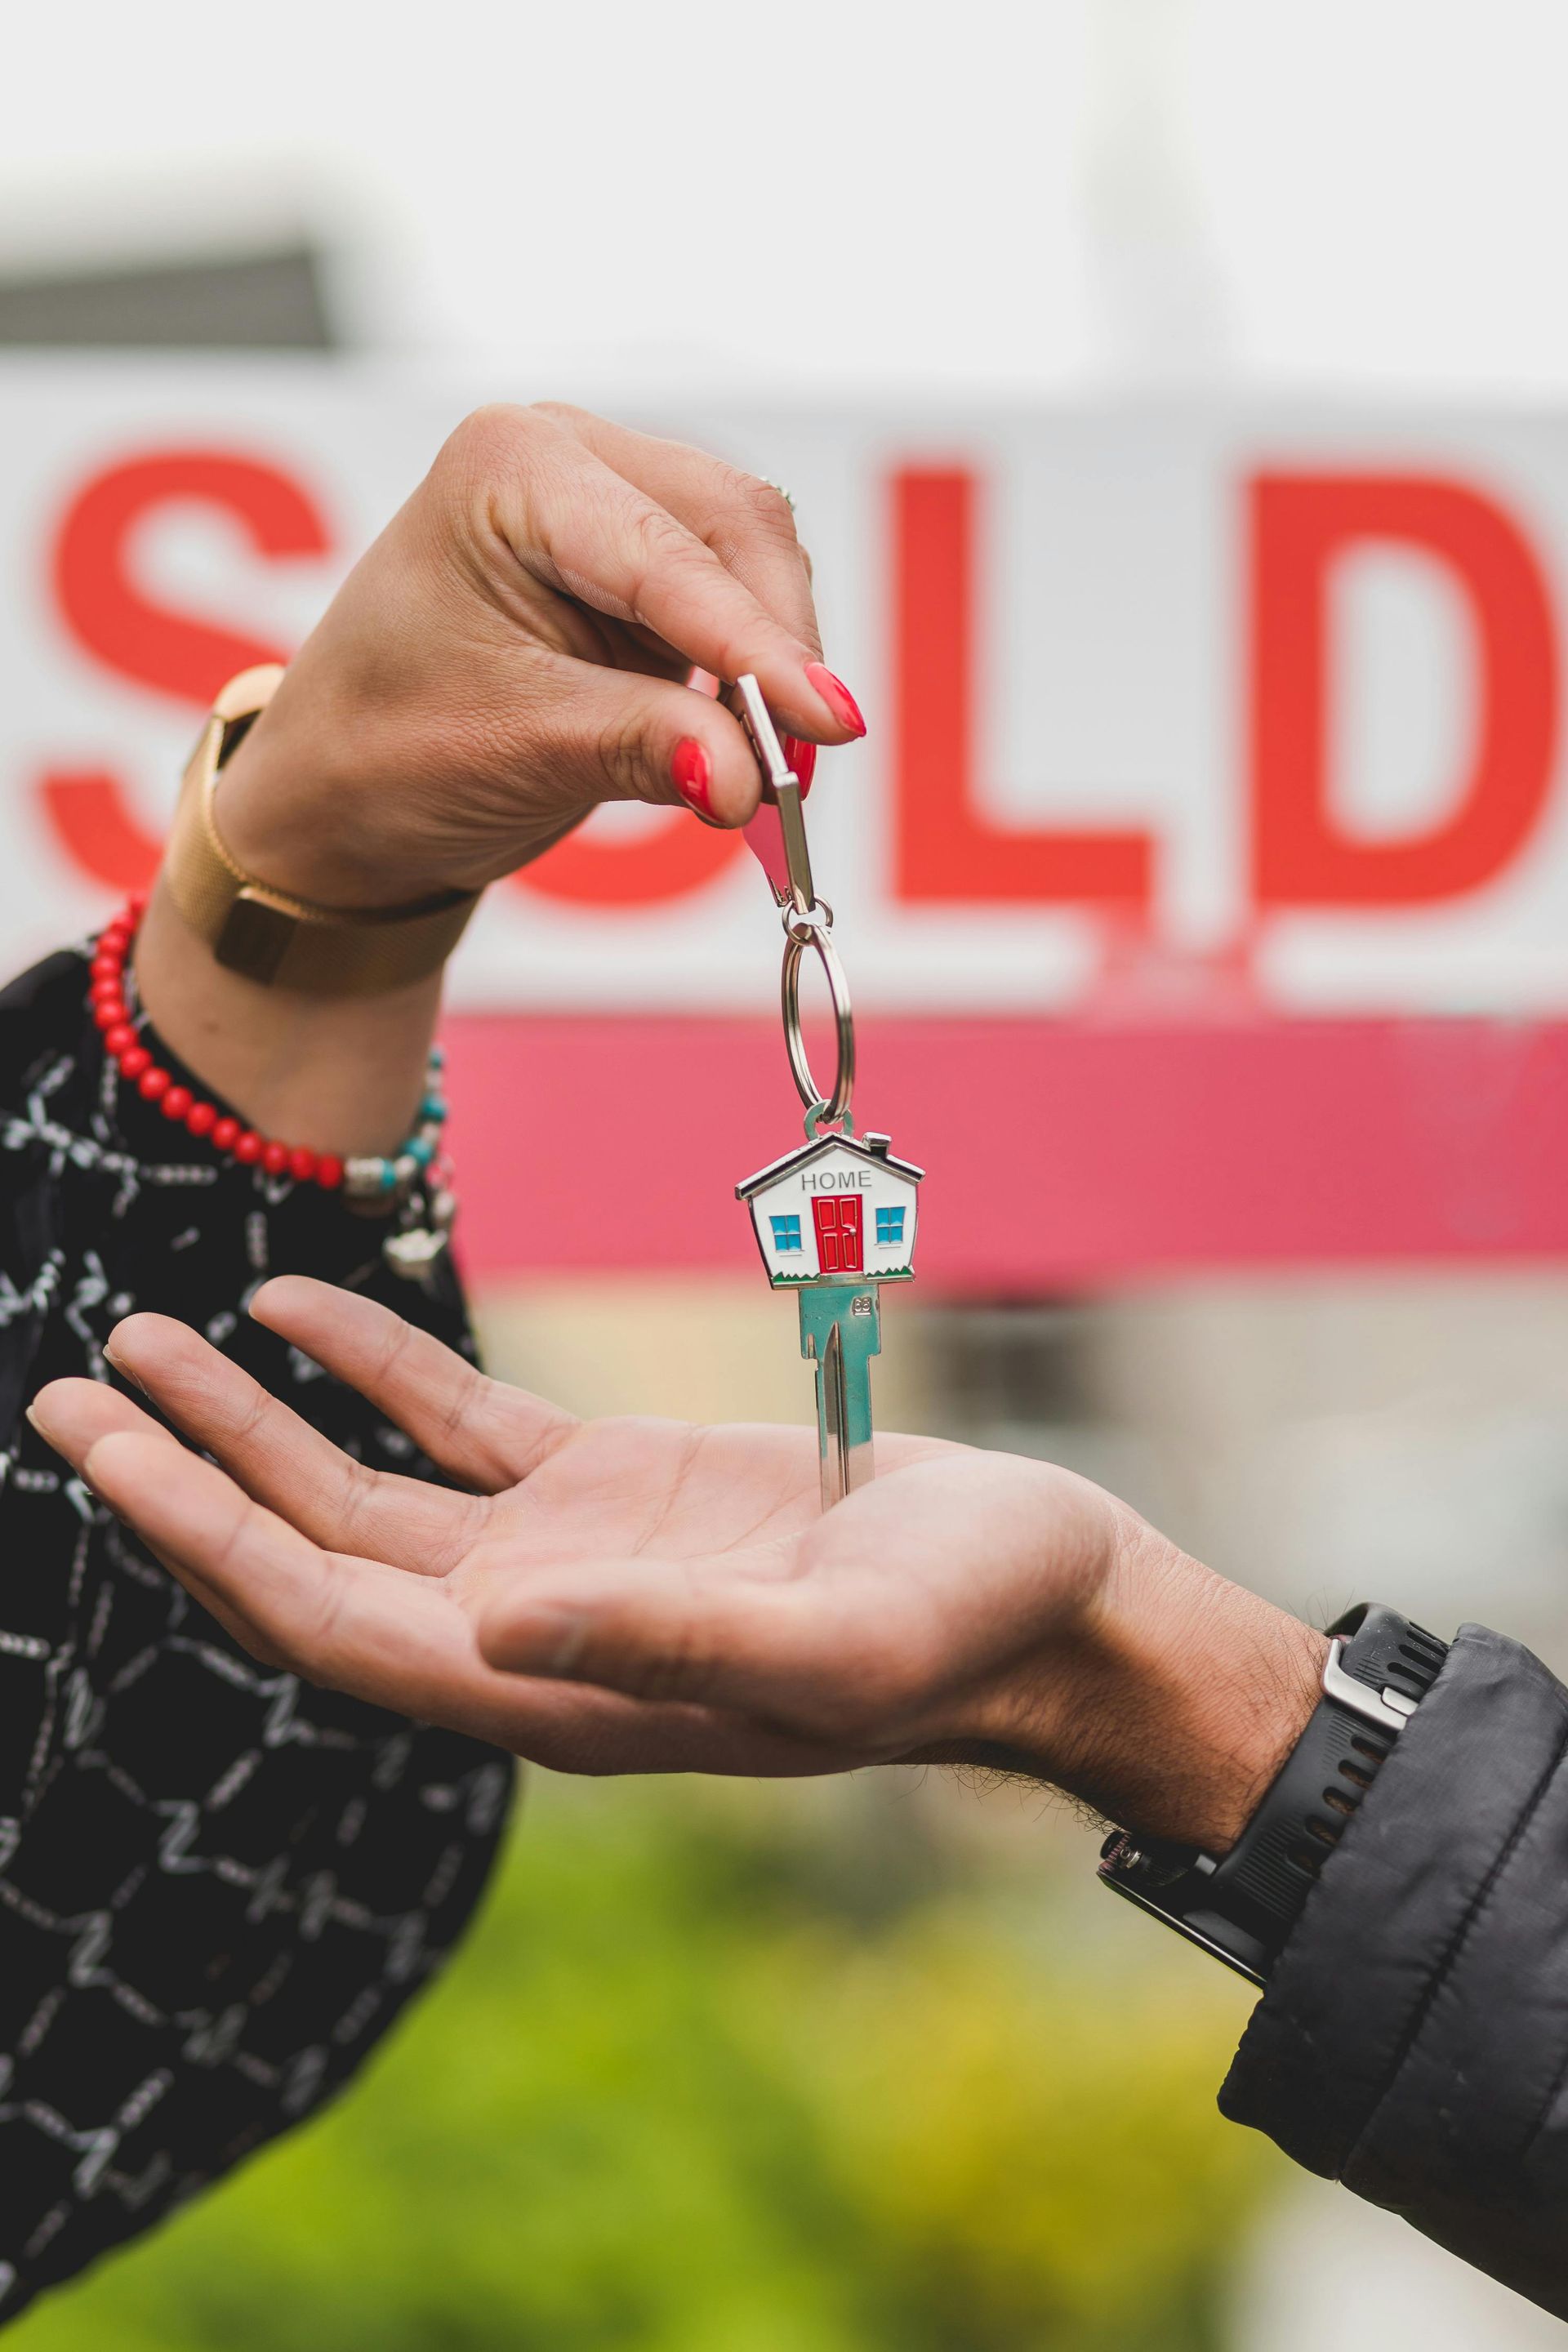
(293, 810)
(343, 1075)
(365, 802)
(1171, 1701)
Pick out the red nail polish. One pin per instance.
(837, 697)
(693, 772)
(801, 758)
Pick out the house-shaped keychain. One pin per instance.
(834, 1221)
(840, 1209)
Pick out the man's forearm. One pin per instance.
(1169, 1706)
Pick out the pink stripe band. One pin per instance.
(1060, 1155)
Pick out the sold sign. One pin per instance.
(1124, 804)
(965, 886)
(1299, 527)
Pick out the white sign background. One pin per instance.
(1110, 686)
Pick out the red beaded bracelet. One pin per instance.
(112, 1014)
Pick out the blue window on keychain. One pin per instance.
(786, 1234)
(890, 1228)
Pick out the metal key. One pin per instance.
(836, 1219)
(840, 1332)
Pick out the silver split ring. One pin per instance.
(811, 930)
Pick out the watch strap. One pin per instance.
(1242, 1906)
(268, 935)
(1271, 1868)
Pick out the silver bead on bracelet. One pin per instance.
(416, 1180)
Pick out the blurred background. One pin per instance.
(1175, 395)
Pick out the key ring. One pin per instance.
(814, 929)
(807, 919)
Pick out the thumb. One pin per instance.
(616, 735)
(779, 1652)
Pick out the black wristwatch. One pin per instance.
(1241, 1908)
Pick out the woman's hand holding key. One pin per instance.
(510, 652)
(640, 1595)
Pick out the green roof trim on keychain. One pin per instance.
(835, 1217)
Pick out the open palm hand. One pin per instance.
(605, 1596)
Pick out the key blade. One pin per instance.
(855, 1452)
(840, 1332)
(832, 1414)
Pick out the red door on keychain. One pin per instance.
(839, 1249)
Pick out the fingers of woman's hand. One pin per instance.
(283, 1461)
(618, 734)
(479, 1431)
(748, 523)
(577, 524)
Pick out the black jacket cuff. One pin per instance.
(1414, 2038)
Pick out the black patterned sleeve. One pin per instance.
(217, 1886)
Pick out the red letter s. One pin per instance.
(173, 653)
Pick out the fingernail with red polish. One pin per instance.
(801, 758)
(837, 697)
(693, 772)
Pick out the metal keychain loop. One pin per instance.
(813, 930)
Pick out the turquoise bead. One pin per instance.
(437, 1057)
(433, 1107)
(421, 1151)
(388, 1176)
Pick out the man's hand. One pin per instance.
(641, 1595)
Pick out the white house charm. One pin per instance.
(834, 1221)
(839, 1209)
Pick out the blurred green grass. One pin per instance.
(736, 2070)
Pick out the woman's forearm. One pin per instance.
(335, 1074)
